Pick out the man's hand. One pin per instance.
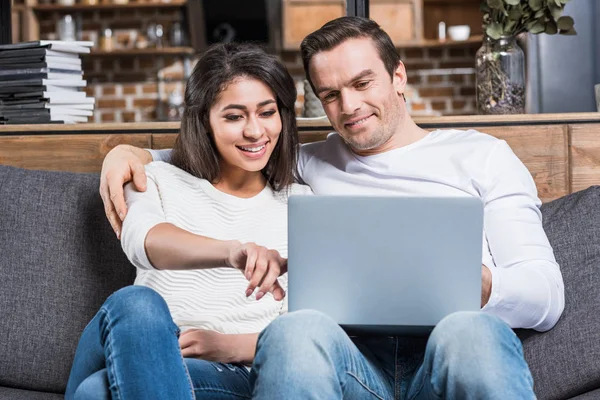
(214, 346)
(486, 285)
(261, 266)
(121, 165)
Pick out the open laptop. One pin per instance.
(385, 265)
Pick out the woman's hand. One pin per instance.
(261, 266)
(215, 346)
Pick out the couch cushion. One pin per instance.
(565, 361)
(59, 261)
(19, 394)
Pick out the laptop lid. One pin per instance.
(385, 265)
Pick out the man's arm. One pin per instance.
(527, 289)
(124, 163)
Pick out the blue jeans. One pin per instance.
(469, 355)
(130, 350)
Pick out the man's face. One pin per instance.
(360, 98)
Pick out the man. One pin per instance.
(378, 149)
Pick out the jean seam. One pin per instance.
(110, 349)
(427, 376)
(185, 368)
(215, 390)
(365, 385)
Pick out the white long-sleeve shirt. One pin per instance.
(527, 286)
(211, 299)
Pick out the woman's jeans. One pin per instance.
(130, 350)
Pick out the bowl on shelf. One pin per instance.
(459, 32)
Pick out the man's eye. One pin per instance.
(329, 97)
(362, 85)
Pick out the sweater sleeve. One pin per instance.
(161, 155)
(527, 286)
(144, 212)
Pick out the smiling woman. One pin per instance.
(239, 119)
(208, 236)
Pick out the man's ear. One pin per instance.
(399, 79)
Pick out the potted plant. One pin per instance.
(500, 62)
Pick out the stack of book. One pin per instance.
(42, 82)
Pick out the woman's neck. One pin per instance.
(240, 183)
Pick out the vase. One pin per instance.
(500, 73)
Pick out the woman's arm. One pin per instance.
(151, 242)
(170, 247)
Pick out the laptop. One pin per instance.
(385, 265)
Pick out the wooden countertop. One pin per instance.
(308, 125)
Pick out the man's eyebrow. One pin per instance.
(244, 108)
(361, 75)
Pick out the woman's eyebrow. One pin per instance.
(244, 108)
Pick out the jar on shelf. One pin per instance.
(500, 73)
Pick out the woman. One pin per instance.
(209, 239)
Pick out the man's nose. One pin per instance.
(350, 102)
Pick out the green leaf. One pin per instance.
(495, 4)
(494, 30)
(569, 32)
(515, 13)
(537, 28)
(555, 11)
(509, 25)
(564, 1)
(551, 28)
(513, 2)
(534, 4)
(539, 13)
(565, 23)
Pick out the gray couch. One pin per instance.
(59, 260)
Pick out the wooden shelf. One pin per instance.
(431, 43)
(87, 7)
(144, 52)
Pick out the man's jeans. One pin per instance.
(469, 355)
(130, 350)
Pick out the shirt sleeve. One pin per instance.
(144, 212)
(161, 155)
(527, 285)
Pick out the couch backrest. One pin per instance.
(59, 261)
(565, 361)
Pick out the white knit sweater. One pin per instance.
(211, 298)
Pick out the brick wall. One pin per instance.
(135, 88)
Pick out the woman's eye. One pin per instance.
(233, 117)
(268, 113)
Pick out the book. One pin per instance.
(9, 91)
(39, 59)
(44, 81)
(45, 65)
(59, 98)
(40, 52)
(48, 73)
(57, 45)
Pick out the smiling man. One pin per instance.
(378, 149)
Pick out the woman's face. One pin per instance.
(246, 124)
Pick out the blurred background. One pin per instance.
(145, 49)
